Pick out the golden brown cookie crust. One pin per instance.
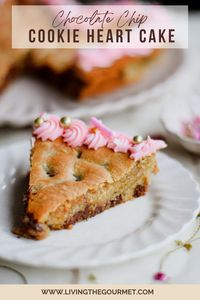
(67, 185)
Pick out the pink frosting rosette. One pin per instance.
(146, 148)
(119, 142)
(50, 129)
(95, 140)
(95, 123)
(76, 133)
(98, 135)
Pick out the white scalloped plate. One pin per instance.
(25, 98)
(129, 230)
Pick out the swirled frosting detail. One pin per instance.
(95, 123)
(146, 148)
(119, 143)
(75, 135)
(95, 140)
(95, 136)
(50, 129)
(98, 135)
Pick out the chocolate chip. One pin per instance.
(79, 153)
(140, 190)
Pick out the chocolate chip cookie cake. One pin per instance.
(79, 73)
(79, 170)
